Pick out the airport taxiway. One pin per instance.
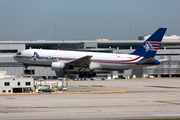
(144, 98)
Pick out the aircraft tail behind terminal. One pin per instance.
(149, 48)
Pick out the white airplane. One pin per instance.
(62, 60)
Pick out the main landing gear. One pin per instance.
(86, 74)
(25, 66)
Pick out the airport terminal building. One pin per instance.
(170, 48)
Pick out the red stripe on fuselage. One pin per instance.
(64, 59)
(99, 60)
(28, 57)
(118, 60)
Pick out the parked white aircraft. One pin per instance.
(62, 60)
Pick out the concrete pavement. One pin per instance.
(144, 98)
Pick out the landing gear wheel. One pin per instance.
(80, 75)
(93, 74)
(89, 75)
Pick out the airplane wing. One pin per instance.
(83, 62)
(147, 61)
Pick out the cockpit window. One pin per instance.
(19, 53)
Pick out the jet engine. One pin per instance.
(60, 66)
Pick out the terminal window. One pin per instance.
(90, 47)
(6, 84)
(9, 90)
(4, 91)
(28, 83)
(8, 51)
(19, 84)
(29, 72)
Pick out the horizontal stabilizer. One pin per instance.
(163, 59)
(147, 61)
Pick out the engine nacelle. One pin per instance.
(57, 66)
(60, 66)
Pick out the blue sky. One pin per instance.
(86, 19)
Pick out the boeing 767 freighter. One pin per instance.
(62, 60)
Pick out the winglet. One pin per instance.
(149, 48)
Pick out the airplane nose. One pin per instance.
(15, 58)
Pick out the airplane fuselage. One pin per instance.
(61, 60)
(104, 61)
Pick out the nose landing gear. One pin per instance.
(25, 66)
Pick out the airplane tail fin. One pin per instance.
(149, 48)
